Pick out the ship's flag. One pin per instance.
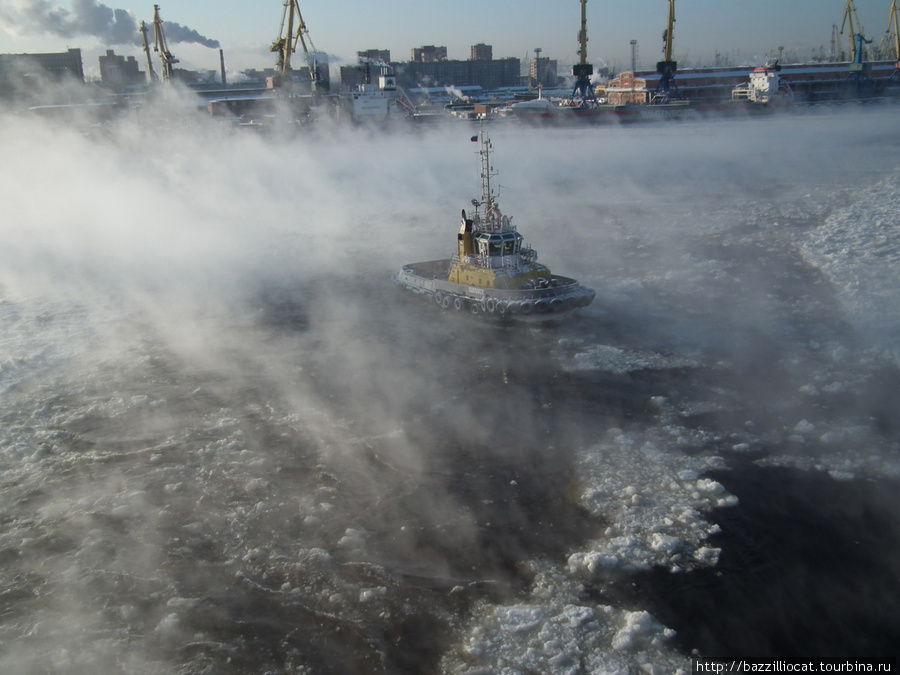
(474, 139)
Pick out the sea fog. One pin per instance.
(229, 444)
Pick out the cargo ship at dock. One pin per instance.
(673, 93)
(721, 91)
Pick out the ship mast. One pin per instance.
(492, 215)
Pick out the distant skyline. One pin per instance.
(742, 32)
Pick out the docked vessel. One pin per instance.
(625, 99)
(765, 87)
(493, 273)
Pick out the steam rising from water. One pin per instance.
(229, 445)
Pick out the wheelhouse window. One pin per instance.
(496, 244)
(512, 242)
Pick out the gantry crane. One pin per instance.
(151, 74)
(286, 45)
(667, 89)
(858, 78)
(890, 44)
(583, 70)
(891, 41)
(160, 46)
(857, 39)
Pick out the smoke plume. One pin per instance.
(86, 18)
(175, 32)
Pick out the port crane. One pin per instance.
(858, 77)
(851, 21)
(286, 45)
(667, 89)
(160, 46)
(891, 42)
(583, 70)
(151, 74)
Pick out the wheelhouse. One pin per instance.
(498, 244)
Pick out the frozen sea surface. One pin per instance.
(228, 444)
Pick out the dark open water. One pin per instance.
(268, 460)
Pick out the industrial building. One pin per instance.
(429, 54)
(482, 52)
(431, 68)
(542, 71)
(493, 74)
(19, 71)
(375, 55)
(119, 71)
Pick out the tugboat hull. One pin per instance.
(553, 300)
(493, 273)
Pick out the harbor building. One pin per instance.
(482, 52)
(56, 65)
(20, 72)
(119, 71)
(375, 55)
(542, 71)
(481, 70)
(433, 69)
(429, 54)
(493, 74)
(366, 70)
(300, 73)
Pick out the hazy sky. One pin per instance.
(743, 31)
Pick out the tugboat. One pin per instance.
(493, 273)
